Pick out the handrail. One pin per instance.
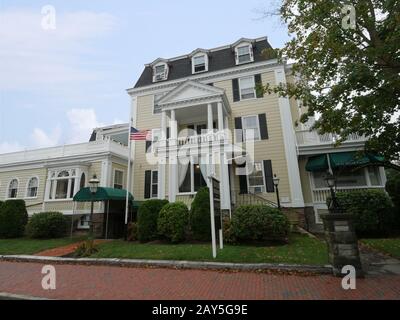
(253, 198)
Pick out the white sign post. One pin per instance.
(212, 214)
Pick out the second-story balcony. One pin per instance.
(310, 141)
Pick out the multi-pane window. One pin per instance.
(256, 178)
(118, 179)
(251, 128)
(244, 54)
(62, 184)
(154, 184)
(199, 64)
(84, 222)
(32, 188)
(247, 88)
(160, 72)
(157, 98)
(374, 176)
(13, 189)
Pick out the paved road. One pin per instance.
(101, 282)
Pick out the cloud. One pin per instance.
(82, 122)
(40, 139)
(32, 57)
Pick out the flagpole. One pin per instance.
(128, 181)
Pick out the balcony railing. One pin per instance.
(306, 137)
(320, 195)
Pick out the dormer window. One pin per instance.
(200, 63)
(160, 72)
(244, 53)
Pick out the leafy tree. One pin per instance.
(349, 69)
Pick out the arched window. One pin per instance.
(13, 189)
(32, 188)
(83, 181)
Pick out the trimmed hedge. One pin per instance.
(132, 231)
(393, 188)
(13, 219)
(147, 219)
(259, 223)
(372, 211)
(47, 225)
(200, 222)
(173, 222)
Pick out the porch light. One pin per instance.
(330, 181)
(276, 181)
(94, 184)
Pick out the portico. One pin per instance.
(194, 119)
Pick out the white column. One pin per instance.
(210, 127)
(224, 172)
(173, 172)
(162, 159)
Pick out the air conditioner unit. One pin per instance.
(160, 76)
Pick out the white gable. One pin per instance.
(190, 90)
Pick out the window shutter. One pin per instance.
(269, 177)
(262, 119)
(235, 88)
(243, 182)
(211, 84)
(148, 146)
(258, 82)
(238, 126)
(147, 184)
(168, 133)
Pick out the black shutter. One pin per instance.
(147, 184)
(258, 81)
(269, 176)
(243, 182)
(238, 126)
(214, 125)
(211, 84)
(148, 146)
(262, 118)
(235, 88)
(168, 133)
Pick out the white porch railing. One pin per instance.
(320, 195)
(202, 139)
(306, 137)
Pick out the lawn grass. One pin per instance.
(301, 250)
(29, 246)
(389, 246)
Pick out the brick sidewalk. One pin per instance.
(100, 282)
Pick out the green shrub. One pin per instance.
(372, 210)
(13, 219)
(200, 221)
(393, 188)
(132, 231)
(147, 219)
(173, 222)
(85, 249)
(228, 233)
(47, 225)
(259, 223)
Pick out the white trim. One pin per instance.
(289, 141)
(200, 54)
(123, 177)
(254, 88)
(215, 76)
(243, 44)
(8, 189)
(153, 184)
(27, 185)
(259, 129)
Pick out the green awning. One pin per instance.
(341, 159)
(317, 163)
(103, 194)
(352, 159)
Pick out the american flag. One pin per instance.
(142, 135)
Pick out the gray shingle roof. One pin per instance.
(218, 60)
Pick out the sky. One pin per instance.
(62, 77)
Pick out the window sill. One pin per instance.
(59, 200)
(30, 198)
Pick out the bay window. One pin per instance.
(64, 184)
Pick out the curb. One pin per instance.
(327, 269)
(11, 296)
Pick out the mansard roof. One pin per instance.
(219, 59)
